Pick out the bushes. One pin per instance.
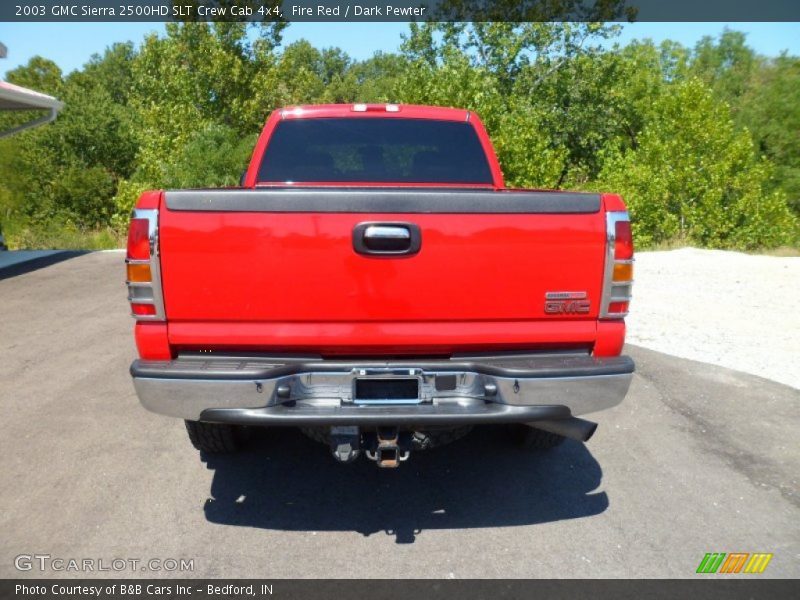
(60, 235)
(214, 156)
(695, 178)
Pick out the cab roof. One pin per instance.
(407, 111)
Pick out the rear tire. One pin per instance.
(216, 438)
(526, 436)
(433, 438)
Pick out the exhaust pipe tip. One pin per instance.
(591, 427)
(573, 428)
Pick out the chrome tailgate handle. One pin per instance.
(387, 239)
(386, 232)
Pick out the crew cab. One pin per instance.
(373, 282)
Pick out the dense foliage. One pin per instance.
(702, 142)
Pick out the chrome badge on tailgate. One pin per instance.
(558, 303)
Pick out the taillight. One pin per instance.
(618, 275)
(139, 273)
(618, 307)
(375, 108)
(623, 240)
(143, 310)
(139, 239)
(142, 267)
(623, 272)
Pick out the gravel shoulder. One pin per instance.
(730, 309)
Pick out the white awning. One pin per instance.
(14, 97)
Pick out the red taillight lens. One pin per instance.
(139, 239)
(623, 240)
(143, 310)
(618, 307)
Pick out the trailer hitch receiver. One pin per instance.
(388, 447)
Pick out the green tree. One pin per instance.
(376, 79)
(695, 178)
(726, 65)
(212, 157)
(770, 110)
(69, 170)
(534, 85)
(195, 77)
(762, 94)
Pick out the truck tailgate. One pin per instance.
(288, 260)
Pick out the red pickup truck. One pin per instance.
(373, 282)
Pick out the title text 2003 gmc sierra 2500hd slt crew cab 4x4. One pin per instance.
(373, 282)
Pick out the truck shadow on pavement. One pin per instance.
(289, 482)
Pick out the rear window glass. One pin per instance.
(374, 150)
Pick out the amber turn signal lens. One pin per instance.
(139, 273)
(623, 272)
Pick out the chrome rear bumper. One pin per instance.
(313, 391)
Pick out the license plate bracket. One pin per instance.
(386, 390)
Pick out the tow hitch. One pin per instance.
(387, 446)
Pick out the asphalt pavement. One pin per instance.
(697, 459)
(18, 262)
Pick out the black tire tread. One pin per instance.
(214, 438)
(526, 436)
(433, 438)
(318, 434)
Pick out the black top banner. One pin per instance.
(399, 10)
